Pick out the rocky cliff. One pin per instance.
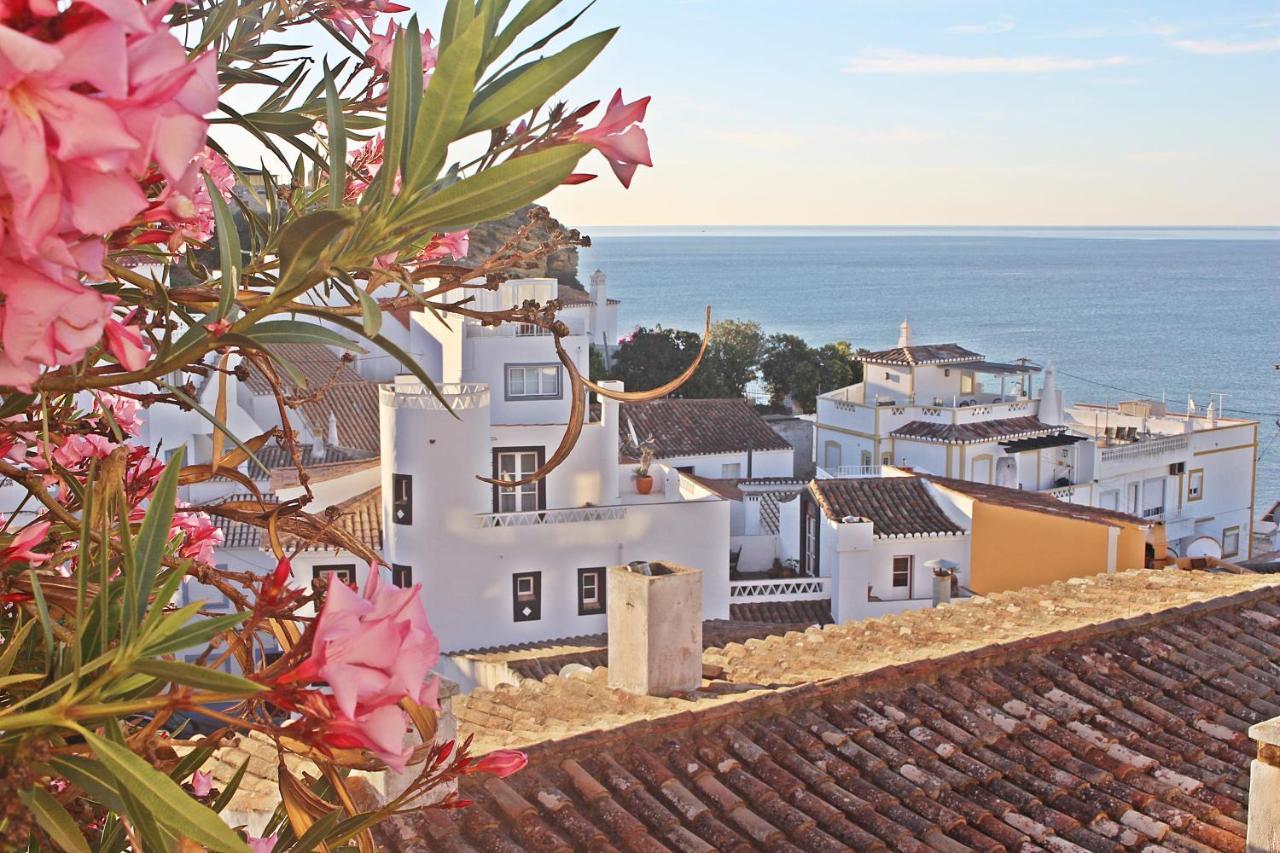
(487, 237)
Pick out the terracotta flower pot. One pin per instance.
(644, 485)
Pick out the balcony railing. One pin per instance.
(843, 472)
(1145, 448)
(780, 589)
(551, 516)
(415, 395)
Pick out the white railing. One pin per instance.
(551, 516)
(1145, 447)
(516, 330)
(781, 589)
(846, 471)
(415, 395)
(1062, 493)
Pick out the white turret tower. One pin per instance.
(1050, 398)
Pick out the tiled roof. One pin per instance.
(572, 296)
(352, 399)
(897, 506)
(275, 457)
(977, 431)
(725, 488)
(1035, 502)
(804, 613)
(238, 534)
(287, 477)
(682, 427)
(770, 521)
(922, 354)
(1103, 735)
(360, 516)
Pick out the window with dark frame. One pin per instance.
(533, 381)
(402, 498)
(517, 463)
(341, 572)
(401, 576)
(591, 591)
(526, 596)
(902, 573)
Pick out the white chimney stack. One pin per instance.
(904, 334)
(1211, 414)
(1050, 398)
(655, 628)
(332, 436)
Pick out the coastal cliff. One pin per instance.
(487, 237)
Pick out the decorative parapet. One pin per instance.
(781, 589)
(842, 472)
(415, 395)
(1145, 448)
(551, 516)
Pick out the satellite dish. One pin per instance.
(1205, 546)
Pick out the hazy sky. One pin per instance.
(941, 112)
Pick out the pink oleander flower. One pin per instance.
(344, 14)
(372, 649)
(378, 54)
(201, 783)
(80, 448)
(200, 536)
(19, 548)
(183, 211)
(620, 138)
(48, 318)
(125, 342)
(381, 731)
(124, 411)
(455, 244)
(501, 763)
(263, 845)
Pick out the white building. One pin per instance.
(946, 410)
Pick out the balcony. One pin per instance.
(539, 518)
(411, 394)
(780, 589)
(1145, 448)
(845, 472)
(518, 330)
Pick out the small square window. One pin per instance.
(401, 576)
(902, 572)
(1231, 542)
(526, 589)
(402, 498)
(731, 470)
(342, 573)
(591, 595)
(525, 381)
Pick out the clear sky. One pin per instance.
(869, 112)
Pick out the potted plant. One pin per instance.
(644, 480)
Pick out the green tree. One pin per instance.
(651, 357)
(733, 355)
(838, 366)
(790, 369)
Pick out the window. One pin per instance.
(902, 571)
(864, 459)
(591, 591)
(1110, 499)
(831, 454)
(401, 576)
(809, 545)
(1153, 497)
(533, 381)
(890, 377)
(210, 598)
(886, 459)
(1195, 484)
(1231, 542)
(402, 499)
(731, 470)
(946, 371)
(517, 463)
(1133, 493)
(341, 573)
(526, 596)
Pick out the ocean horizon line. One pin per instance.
(1147, 232)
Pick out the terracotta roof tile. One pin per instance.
(800, 614)
(681, 427)
(573, 296)
(976, 432)
(237, 534)
(922, 737)
(1034, 502)
(922, 354)
(341, 391)
(360, 516)
(897, 506)
(287, 476)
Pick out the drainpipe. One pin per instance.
(750, 458)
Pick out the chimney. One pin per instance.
(943, 575)
(1050, 411)
(904, 334)
(1264, 789)
(655, 628)
(1211, 415)
(332, 437)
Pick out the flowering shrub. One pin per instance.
(136, 256)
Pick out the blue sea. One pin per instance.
(1122, 312)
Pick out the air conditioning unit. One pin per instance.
(1176, 468)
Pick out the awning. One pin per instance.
(1000, 367)
(1062, 439)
